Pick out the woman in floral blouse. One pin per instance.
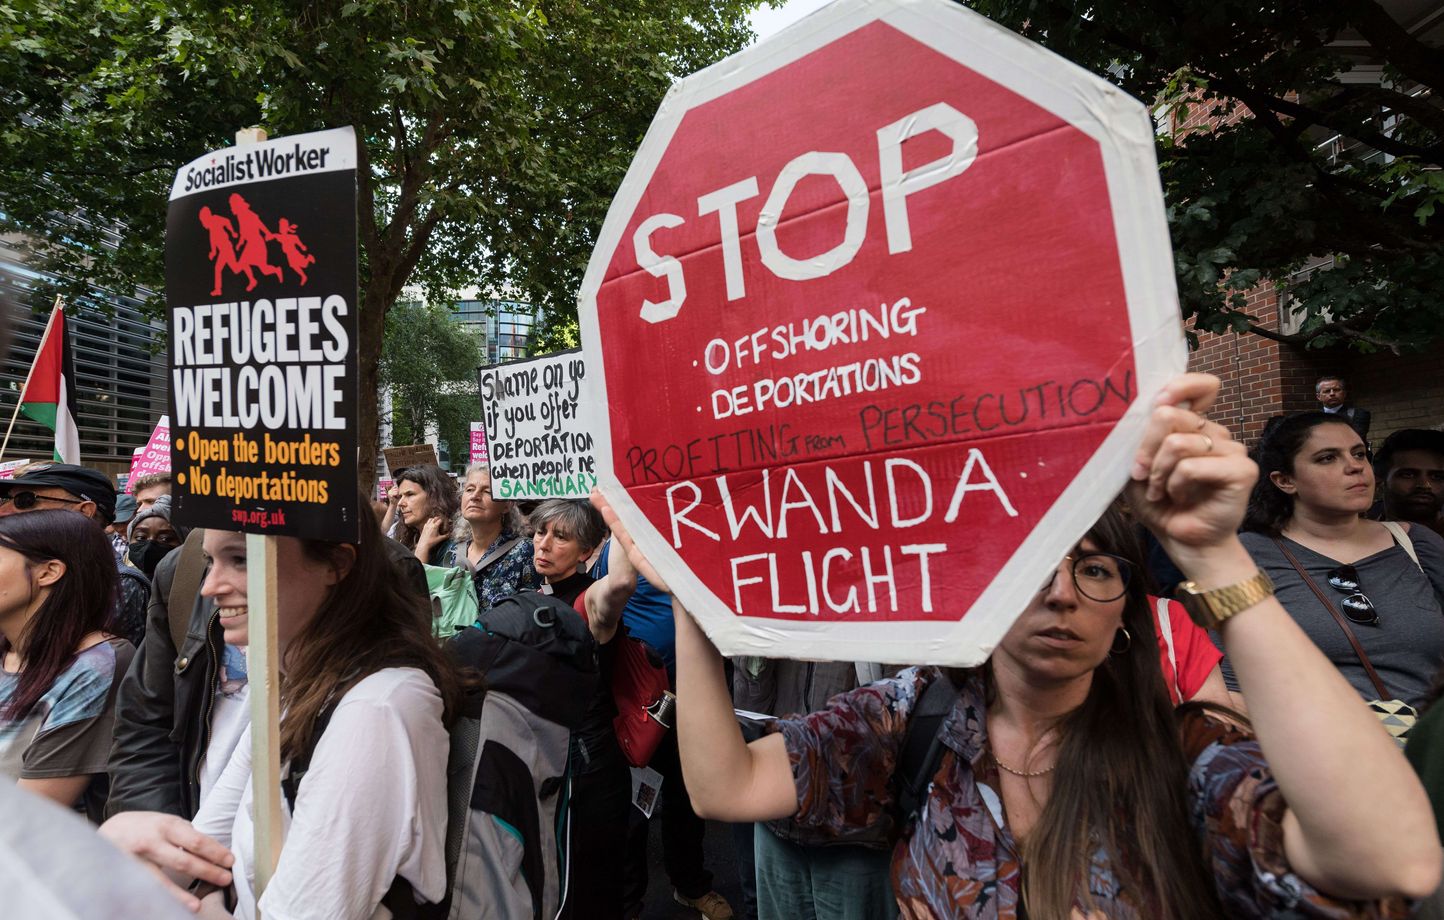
(489, 540)
(1068, 787)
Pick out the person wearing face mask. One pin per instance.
(153, 535)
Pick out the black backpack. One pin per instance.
(918, 761)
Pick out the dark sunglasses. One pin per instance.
(1356, 604)
(26, 500)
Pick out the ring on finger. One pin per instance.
(1207, 443)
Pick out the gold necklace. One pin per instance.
(999, 761)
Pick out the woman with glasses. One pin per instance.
(1353, 585)
(1068, 788)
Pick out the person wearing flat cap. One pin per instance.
(91, 493)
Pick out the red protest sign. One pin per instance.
(876, 315)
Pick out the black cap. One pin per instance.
(80, 481)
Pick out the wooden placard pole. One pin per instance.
(262, 591)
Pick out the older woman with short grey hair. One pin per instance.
(491, 540)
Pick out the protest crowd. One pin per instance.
(1121, 754)
(1203, 678)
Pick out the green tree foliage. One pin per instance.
(1311, 156)
(494, 131)
(429, 363)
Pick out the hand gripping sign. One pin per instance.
(875, 321)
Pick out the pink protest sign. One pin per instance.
(8, 468)
(383, 485)
(154, 457)
(478, 443)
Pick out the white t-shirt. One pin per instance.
(372, 807)
(230, 717)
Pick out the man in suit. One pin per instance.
(1334, 399)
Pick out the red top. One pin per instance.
(1192, 649)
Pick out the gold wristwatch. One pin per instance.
(1210, 608)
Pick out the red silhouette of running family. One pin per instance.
(241, 248)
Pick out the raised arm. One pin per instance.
(727, 779)
(607, 598)
(1358, 824)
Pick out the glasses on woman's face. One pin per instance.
(1100, 577)
(1356, 604)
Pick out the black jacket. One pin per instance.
(162, 724)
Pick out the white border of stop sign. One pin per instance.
(1124, 132)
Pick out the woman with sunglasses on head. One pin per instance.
(1305, 528)
(365, 696)
(60, 668)
(1068, 787)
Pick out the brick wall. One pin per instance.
(1262, 378)
(1401, 392)
(1248, 366)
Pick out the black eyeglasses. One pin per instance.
(1356, 604)
(26, 500)
(1100, 577)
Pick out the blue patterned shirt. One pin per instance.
(503, 577)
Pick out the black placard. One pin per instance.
(262, 299)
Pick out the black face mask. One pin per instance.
(147, 554)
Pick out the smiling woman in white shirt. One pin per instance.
(366, 695)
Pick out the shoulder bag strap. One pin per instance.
(1165, 626)
(1401, 537)
(1338, 618)
(190, 571)
(496, 553)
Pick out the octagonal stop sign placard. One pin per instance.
(873, 327)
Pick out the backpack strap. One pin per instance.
(922, 748)
(1165, 626)
(291, 785)
(190, 571)
(496, 553)
(1401, 537)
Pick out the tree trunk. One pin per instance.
(372, 323)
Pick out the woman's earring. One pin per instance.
(1127, 641)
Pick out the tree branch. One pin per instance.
(1415, 60)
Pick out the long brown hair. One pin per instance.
(79, 603)
(368, 622)
(1122, 780)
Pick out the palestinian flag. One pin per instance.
(49, 394)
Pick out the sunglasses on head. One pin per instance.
(25, 500)
(1356, 604)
